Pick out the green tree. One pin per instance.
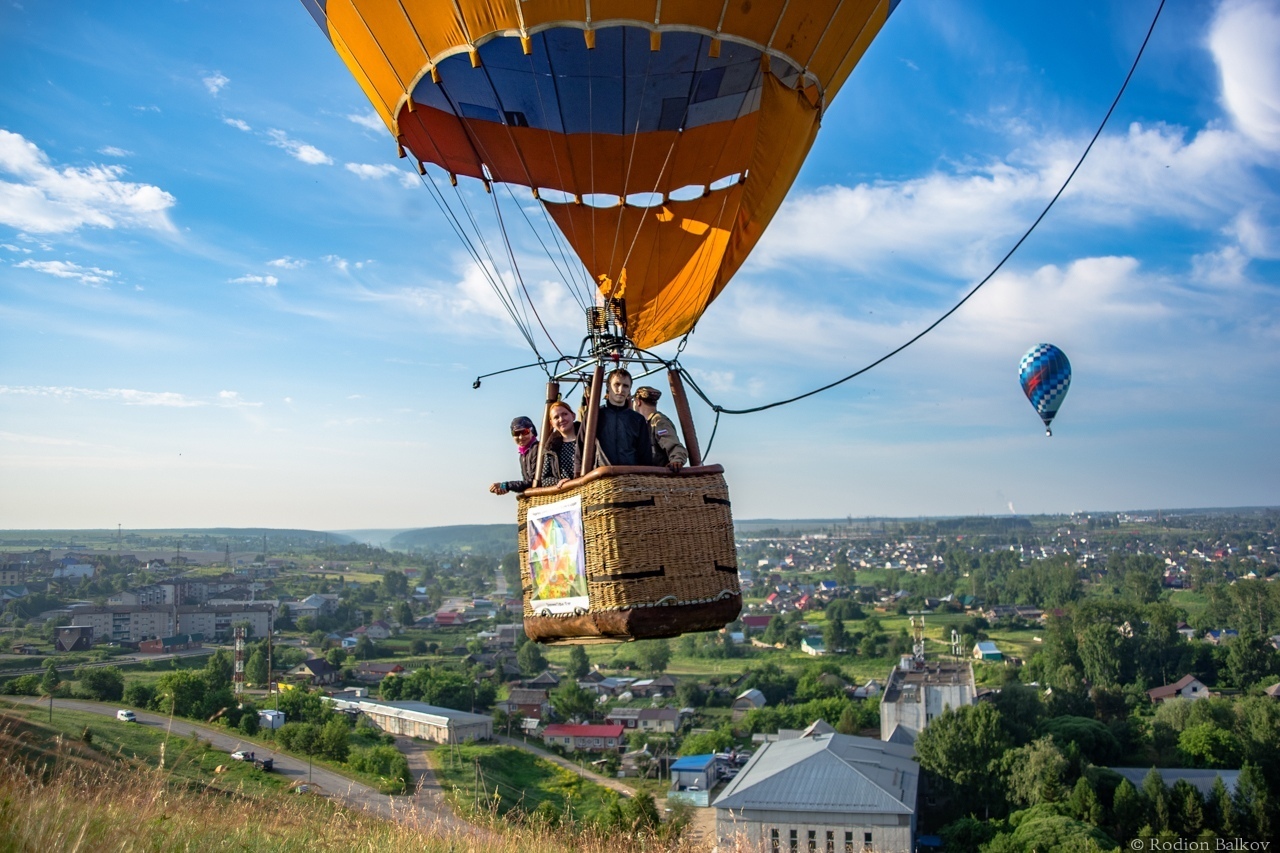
(255, 669)
(572, 702)
(336, 656)
(49, 685)
(1251, 803)
(104, 683)
(249, 724)
(704, 743)
(963, 746)
(530, 659)
(391, 688)
(394, 584)
(834, 636)
(1100, 653)
(653, 655)
(182, 693)
(1128, 812)
(1250, 659)
(1036, 773)
(404, 614)
(1207, 745)
(1157, 797)
(1084, 804)
(579, 664)
(334, 740)
(219, 669)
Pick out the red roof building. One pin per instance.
(592, 738)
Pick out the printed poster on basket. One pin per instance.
(557, 557)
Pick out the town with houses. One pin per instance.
(832, 715)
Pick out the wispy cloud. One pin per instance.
(47, 200)
(113, 151)
(301, 151)
(233, 399)
(238, 124)
(369, 171)
(266, 280)
(369, 120)
(216, 82)
(127, 396)
(287, 263)
(67, 269)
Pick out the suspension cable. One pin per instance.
(1115, 101)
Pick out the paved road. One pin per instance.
(422, 809)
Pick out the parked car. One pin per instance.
(241, 755)
(124, 715)
(264, 764)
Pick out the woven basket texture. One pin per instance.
(651, 541)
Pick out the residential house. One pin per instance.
(589, 738)
(657, 720)
(824, 790)
(653, 688)
(374, 672)
(543, 681)
(815, 646)
(986, 650)
(1187, 687)
(526, 702)
(747, 700)
(315, 671)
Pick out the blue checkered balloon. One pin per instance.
(1045, 374)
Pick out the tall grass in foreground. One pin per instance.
(60, 794)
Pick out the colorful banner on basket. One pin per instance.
(557, 558)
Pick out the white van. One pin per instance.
(126, 716)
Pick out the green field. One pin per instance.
(503, 779)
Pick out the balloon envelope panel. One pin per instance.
(1045, 374)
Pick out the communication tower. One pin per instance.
(237, 677)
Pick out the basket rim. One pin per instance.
(620, 471)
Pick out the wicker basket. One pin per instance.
(660, 559)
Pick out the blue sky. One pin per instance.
(224, 301)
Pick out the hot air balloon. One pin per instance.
(661, 139)
(1045, 375)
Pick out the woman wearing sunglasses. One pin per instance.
(526, 438)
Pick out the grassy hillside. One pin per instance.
(495, 539)
(109, 793)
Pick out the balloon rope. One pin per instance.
(722, 410)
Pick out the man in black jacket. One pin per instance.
(623, 433)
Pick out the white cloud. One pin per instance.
(128, 396)
(215, 82)
(46, 200)
(238, 124)
(232, 399)
(369, 120)
(9, 247)
(1243, 39)
(112, 151)
(287, 263)
(301, 151)
(67, 269)
(267, 280)
(373, 172)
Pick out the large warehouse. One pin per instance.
(418, 719)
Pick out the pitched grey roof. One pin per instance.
(826, 772)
